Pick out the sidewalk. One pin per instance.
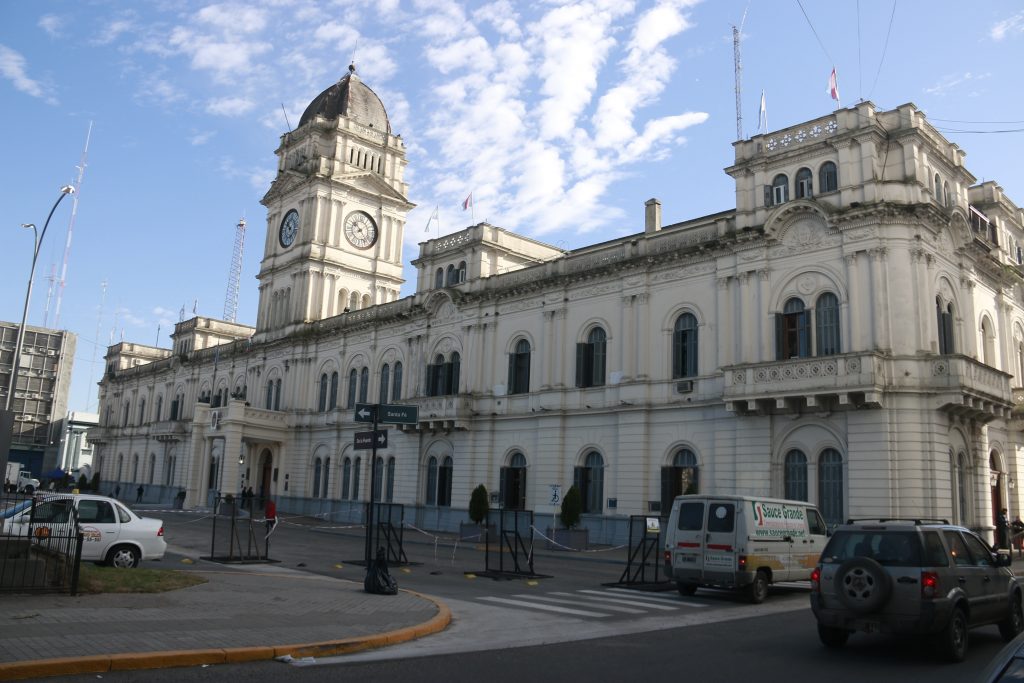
(259, 612)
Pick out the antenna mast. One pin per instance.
(235, 274)
(738, 68)
(71, 227)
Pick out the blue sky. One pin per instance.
(561, 118)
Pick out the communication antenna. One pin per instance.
(71, 227)
(286, 121)
(235, 274)
(738, 68)
(96, 342)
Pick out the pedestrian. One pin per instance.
(138, 493)
(117, 492)
(271, 515)
(1003, 530)
(1017, 527)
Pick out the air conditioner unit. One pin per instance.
(684, 387)
(214, 419)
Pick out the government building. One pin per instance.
(851, 334)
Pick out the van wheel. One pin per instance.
(1012, 626)
(686, 589)
(952, 640)
(833, 637)
(758, 590)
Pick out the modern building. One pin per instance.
(40, 393)
(850, 333)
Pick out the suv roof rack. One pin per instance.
(915, 520)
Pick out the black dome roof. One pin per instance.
(352, 98)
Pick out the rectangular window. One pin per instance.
(691, 517)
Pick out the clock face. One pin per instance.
(289, 228)
(360, 230)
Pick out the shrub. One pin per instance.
(478, 504)
(572, 508)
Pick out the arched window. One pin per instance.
(453, 378)
(684, 347)
(804, 183)
(353, 381)
(152, 468)
(988, 342)
(679, 478)
(792, 331)
(321, 403)
(355, 478)
(962, 485)
(828, 178)
(353, 301)
(780, 189)
(589, 480)
(827, 322)
(431, 492)
(450, 279)
(830, 486)
(462, 272)
(346, 477)
(513, 483)
(364, 384)
(396, 386)
(325, 485)
(444, 482)
(135, 467)
(590, 359)
(142, 410)
(159, 408)
(439, 278)
(519, 368)
(332, 399)
(1020, 362)
(389, 491)
(938, 189)
(944, 315)
(317, 466)
(385, 383)
(277, 395)
(443, 376)
(946, 199)
(795, 475)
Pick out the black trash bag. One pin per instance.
(378, 580)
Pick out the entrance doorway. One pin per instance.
(266, 476)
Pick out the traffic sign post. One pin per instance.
(369, 440)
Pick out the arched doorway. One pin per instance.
(996, 482)
(266, 475)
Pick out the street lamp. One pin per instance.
(12, 380)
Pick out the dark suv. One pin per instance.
(913, 576)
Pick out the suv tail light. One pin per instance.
(816, 580)
(929, 585)
(741, 562)
(161, 532)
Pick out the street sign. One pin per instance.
(398, 414)
(364, 441)
(365, 412)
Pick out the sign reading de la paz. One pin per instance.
(365, 412)
(398, 414)
(365, 441)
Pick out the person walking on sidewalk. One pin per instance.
(271, 515)
(138, 493)
(1017, 535)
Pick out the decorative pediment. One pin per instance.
(283, 185)
(372, 184)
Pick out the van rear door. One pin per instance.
(688, 553)
(720, 541)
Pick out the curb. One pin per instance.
(68, 666)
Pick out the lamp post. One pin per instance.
(12, 380)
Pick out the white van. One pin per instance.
(741, 542)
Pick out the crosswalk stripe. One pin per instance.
(637, 595)
(576, 601)
(548, 608)
(619, 600)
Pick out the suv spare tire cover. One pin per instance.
(862, 585)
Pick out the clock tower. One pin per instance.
(335, 212)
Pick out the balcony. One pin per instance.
(168, 430)
(441, 413)
(962, 386)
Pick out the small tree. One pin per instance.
(572, 508)
(478, 504)
(83, 483)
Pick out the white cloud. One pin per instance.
(502, 16)
(201, 138)
(156, 90)
(1011, 26)
(951, 81)
(52, 24)
(224, 58)
(113, 30)
(233, 18)
(343, 36)
(12, 67)
(229, 106)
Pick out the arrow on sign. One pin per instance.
(365, 412)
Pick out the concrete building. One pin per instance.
(40, 393)
(850, 333)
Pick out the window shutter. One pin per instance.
(767, 195)
(677, 354)
(780, 332)
(446, 379)
(581, 360)
(512, 373)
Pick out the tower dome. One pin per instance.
(352, 98)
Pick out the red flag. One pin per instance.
(467, 202)
(833, 86)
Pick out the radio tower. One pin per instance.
(235, 274)
(71, 227)
(738, 68)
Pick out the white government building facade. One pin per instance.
(851, 333)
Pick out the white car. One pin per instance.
(111, 533)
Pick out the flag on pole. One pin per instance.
(467, 202)
(833, 87)
(762, 115)
(433, 217)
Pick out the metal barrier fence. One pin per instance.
(515, 539)
(388, 531)
(40, 545)
(236, 535)
(644, 562)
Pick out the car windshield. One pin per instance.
(888, 548)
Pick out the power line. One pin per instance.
(980, 123)
(823, 49)
(885, 48)
(955, 130)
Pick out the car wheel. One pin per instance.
(862, 585)
(123, 557)
(1014, 624)
(833, 637)
(686, 589)
(952, 640)
(758, 590)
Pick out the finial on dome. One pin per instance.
(352, 68)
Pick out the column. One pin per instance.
(627, 338)
(746, 339)
(724, 323)
(852, 313)
(642, 348)
(765, 330)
